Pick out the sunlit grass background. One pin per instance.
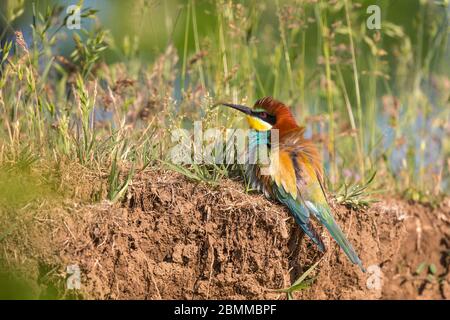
(96, 105)
(107, 96)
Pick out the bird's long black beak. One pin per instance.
(239, 107)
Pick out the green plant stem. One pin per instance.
(357, 89)
(197, 44)
(185, 49)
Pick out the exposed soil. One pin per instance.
(175, 239)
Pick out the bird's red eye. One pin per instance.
(263, 115)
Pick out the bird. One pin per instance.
(294, 175)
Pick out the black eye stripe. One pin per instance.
(265, 117)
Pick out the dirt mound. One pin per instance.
(175, 239)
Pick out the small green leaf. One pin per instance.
(420, 268)
(301, 283)
(432, 268)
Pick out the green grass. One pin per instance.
(302, 283)
(356, 195)
(341, 79)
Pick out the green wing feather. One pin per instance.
(300, 213)
(314, 198)
(323, 214)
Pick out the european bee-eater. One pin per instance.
(296, 178)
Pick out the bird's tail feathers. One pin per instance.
(312, 233)
(323, 213)
(301, 216)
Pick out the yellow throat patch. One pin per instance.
(258, 124)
